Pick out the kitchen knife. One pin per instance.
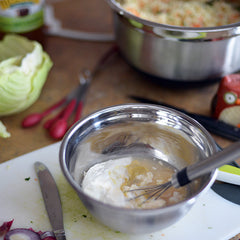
(215, 126)
(51, 199)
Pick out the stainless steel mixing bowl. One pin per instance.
(108, 133)
(177, 53)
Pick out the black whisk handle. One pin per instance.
(182, 177)
(200, 168)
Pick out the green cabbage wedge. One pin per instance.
(24, 68)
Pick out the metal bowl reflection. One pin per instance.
(179, 140)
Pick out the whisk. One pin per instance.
(191, 172)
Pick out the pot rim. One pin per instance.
(224, 31)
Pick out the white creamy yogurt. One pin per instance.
(110, 182)
(103, 181)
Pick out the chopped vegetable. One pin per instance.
(187, 13)
(23, 234)
(5, 227)
(3, 131)
(47, 236)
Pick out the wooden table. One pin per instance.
(110, 87)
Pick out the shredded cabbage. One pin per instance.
(3, 131)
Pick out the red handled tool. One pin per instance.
(71, 104)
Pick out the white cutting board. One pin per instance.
(20, 199)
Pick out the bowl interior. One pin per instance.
(129, 130)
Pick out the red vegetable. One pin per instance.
(47, 236)
(24, 233)
(5, 227)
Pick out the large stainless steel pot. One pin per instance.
(177, 53)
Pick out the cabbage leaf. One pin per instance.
(3, 131)
(24, 68)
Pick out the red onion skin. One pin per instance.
(5, 230)
(5, 227)
(47, 235)
(27, 232)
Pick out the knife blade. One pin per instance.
(51, 199)
(215, 126)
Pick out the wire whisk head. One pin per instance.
(153, 192)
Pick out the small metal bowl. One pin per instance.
(108, 133)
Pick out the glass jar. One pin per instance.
(25, 17)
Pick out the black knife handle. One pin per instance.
(218, 127)
(212, 125)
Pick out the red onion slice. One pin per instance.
(23, 234)
(47, 236)
(5, 227)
